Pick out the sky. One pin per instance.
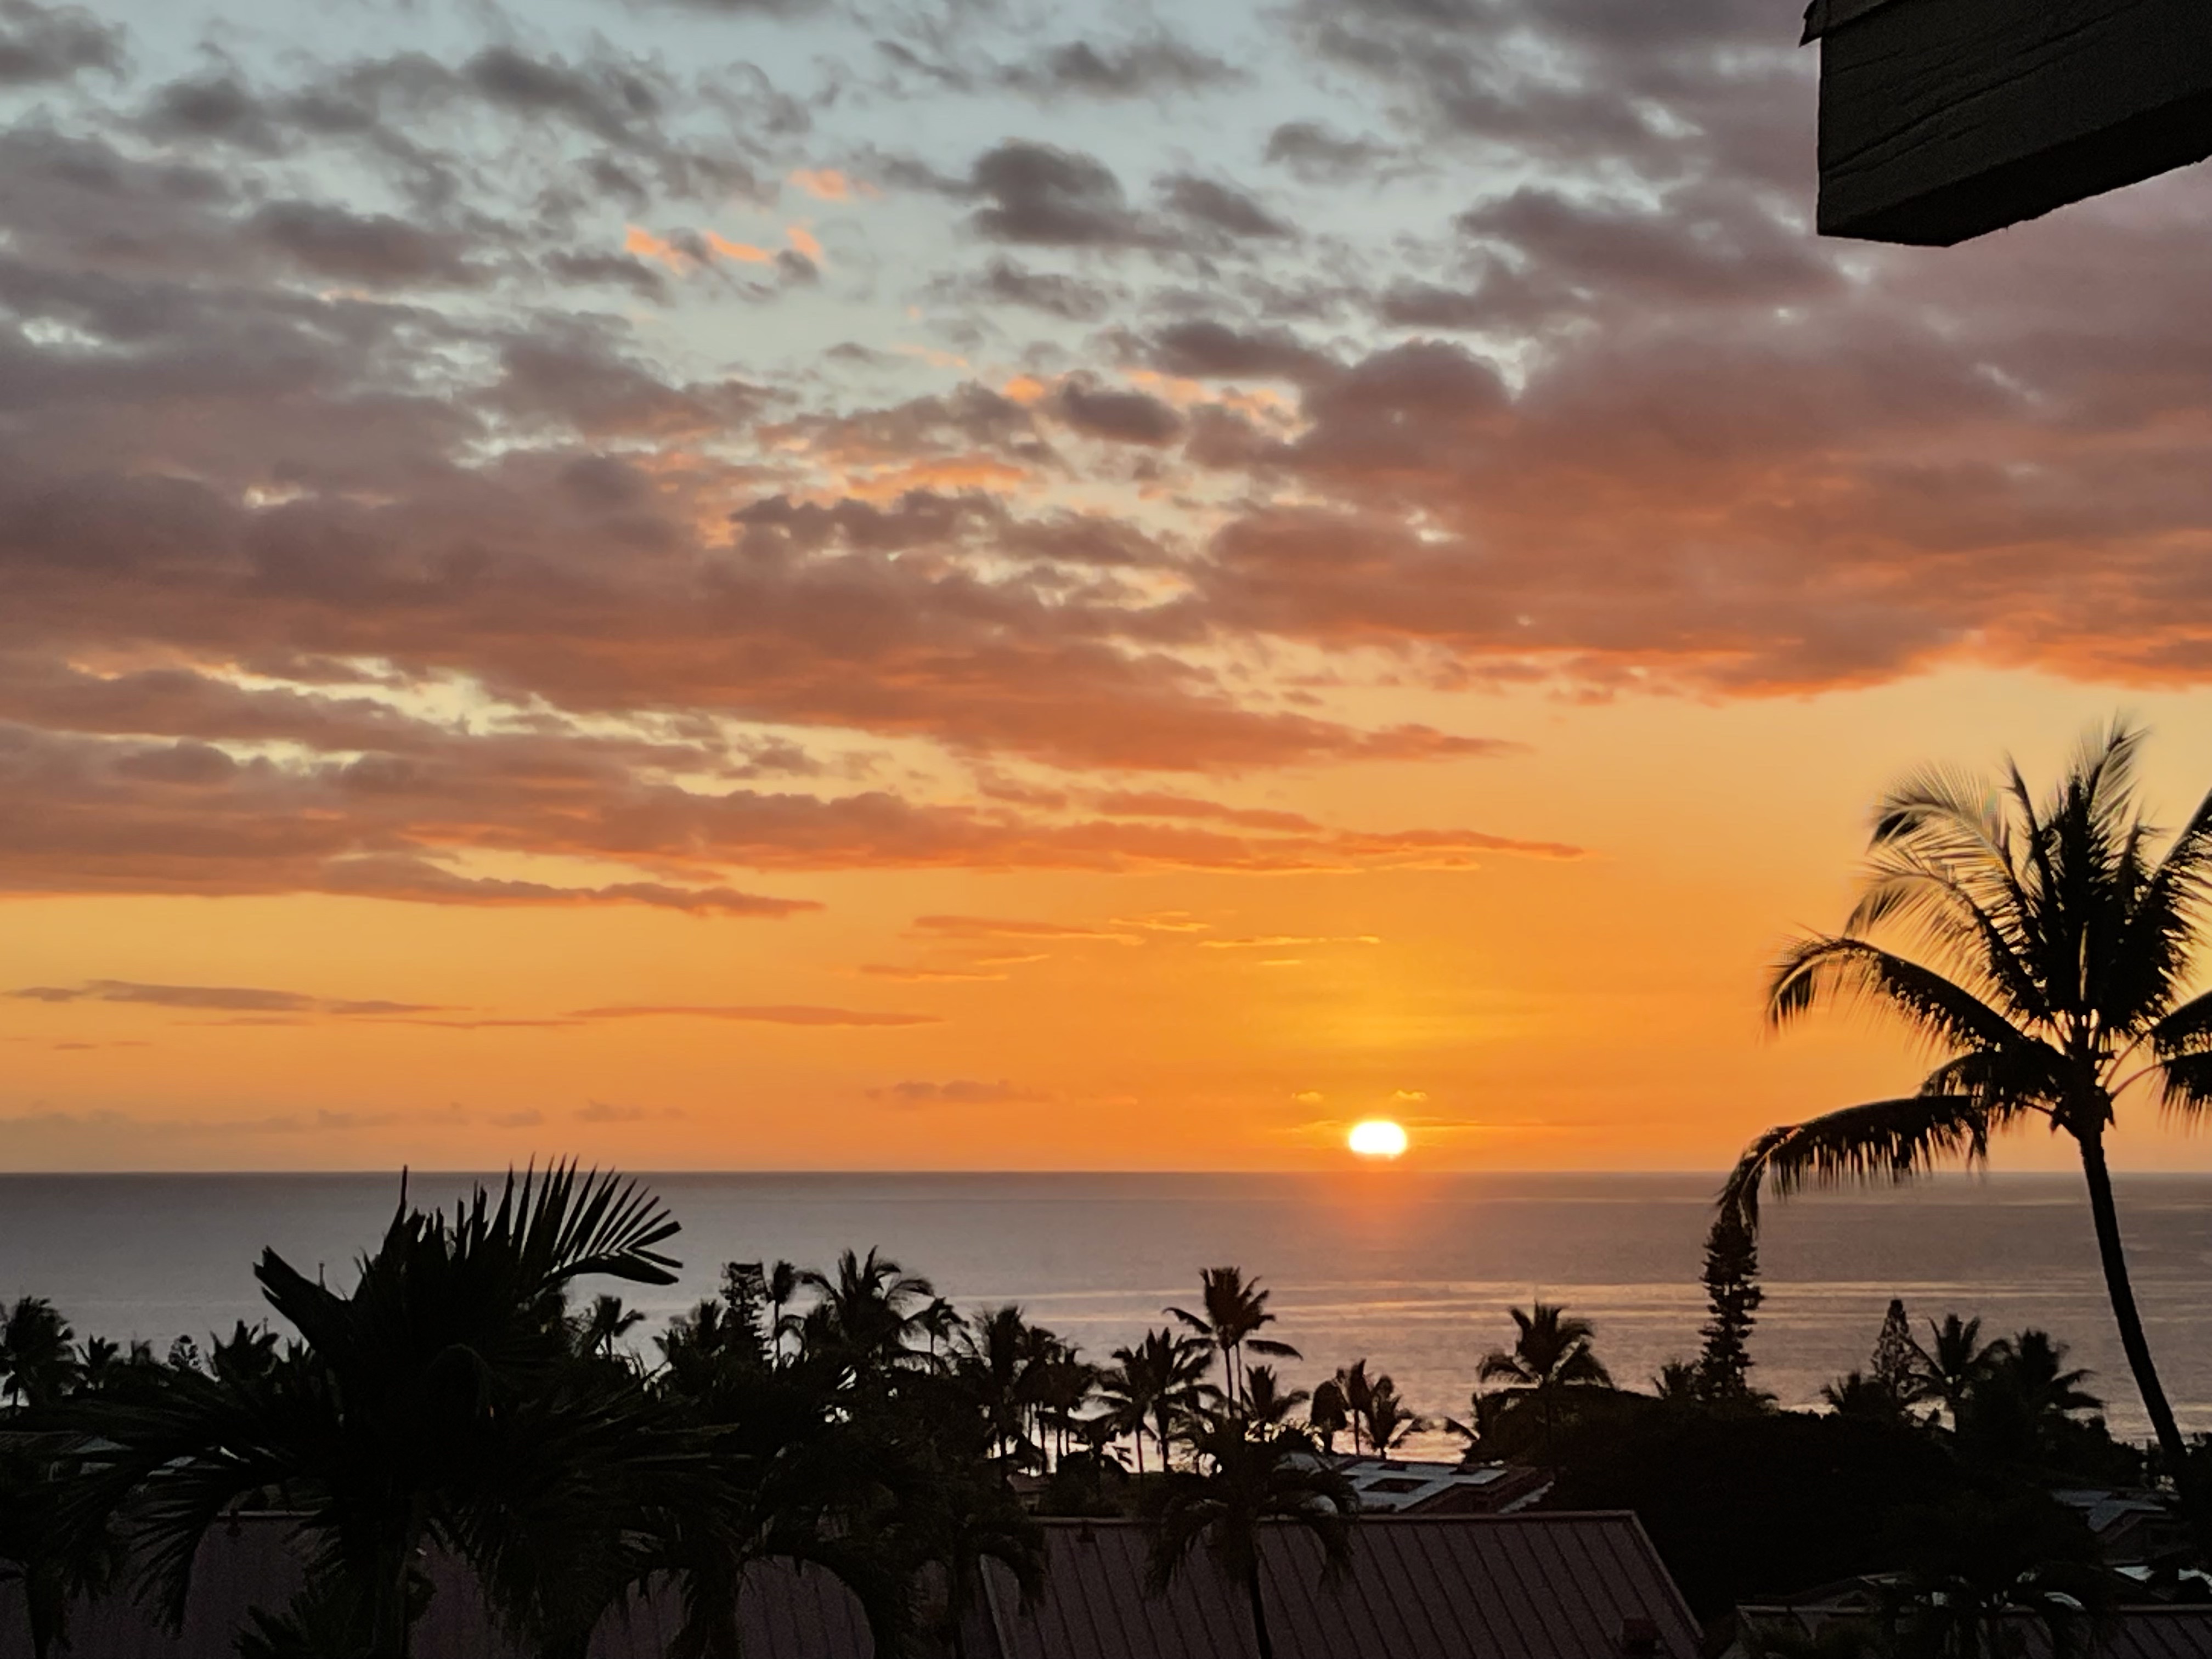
(971, 584)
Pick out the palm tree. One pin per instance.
(1330, 1414)
(2023, 1404)
(1244, 1485)
(438, 1401)
(37, 1364)
(2059, 944)
(1947, 1372)
(1351, 1387)
(866, 1314)
(1268, 1403)
(1551, 1354)
(603, 1323)
(783, 1282)
(1234, 1313)
(1389, 1420)
(1155, 1386)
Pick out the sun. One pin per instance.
(1378, 1137)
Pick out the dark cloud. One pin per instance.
(1120, 416)
(1319, 154)
(226, 998)
(1155, 66)
(1048, 196)
(54, 43)
(1219, 207)
(375, 250)
(1212, 350)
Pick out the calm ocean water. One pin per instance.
(1415, 1271)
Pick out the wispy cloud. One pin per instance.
(764, 1014)
(229, 998)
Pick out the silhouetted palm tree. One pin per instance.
(1244, 1485)
(1268, 1403)
(603, 1323)
(1155, 1387)
(1330, 1414)
(2021, 1407)
(37, 1364)
(1948, 1370)
(1551, 1354)
(2062, 948)
(437, 1401)
(866, 1314)
(1358, 1391)
(782, 1281)
(1234, 1312)
(1389, 1420)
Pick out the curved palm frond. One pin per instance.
(1940, 1010)
(1898, 1139)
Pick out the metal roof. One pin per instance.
(1547, 1586)
(1447, 1587)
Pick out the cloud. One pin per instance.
(957, 1091)
(925, 976)
(1154, 66)
(1042, 195)
(1013, 927)
(40, 44)
(1216, 206)
(778, 1014)
(232, 997)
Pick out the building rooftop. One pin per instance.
(1546, 1586)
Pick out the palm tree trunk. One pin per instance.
(1258, 1611)
(2171, 1449)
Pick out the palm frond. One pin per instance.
(1893, 1140)
(1940, 1009)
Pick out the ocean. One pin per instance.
(1413, 1271)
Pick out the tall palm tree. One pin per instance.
(2059, 939)
(1155, 1387)
(1552, 1353)
(1244, 1485)
(1233, 1314)
(439, 1402)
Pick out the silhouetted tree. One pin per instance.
(1240, 1485)
(37, 1364)
(430, 1403)
(1552, 1353)
(1268, 1403)
(1389, 1420)
(2061, 951)
(1732, 1299)
(1232, 1313)
(1890, 1365)
(1155, 1387)
(1947, 1371)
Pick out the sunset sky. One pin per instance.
(949, 583)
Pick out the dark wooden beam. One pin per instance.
(1943, 119)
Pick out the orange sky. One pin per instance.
(1597, 1012)
(1061, 586)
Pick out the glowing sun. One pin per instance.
(1377, 1138)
